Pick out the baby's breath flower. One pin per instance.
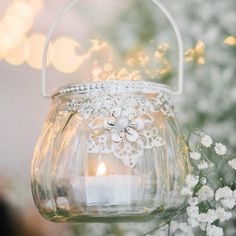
(192, 180)
(203, 218)
(223, 215)
(208, 217)
(226, 196)
(234, 194)
(211, 165)
(205, 193)
(220, 149)
(211, 216)
(202, 226)
(193, 211)
(195, 155)
(206, 141)
(232, 164)
(201, 215)
(174, 225)
(193, 222)
(181, 228)
(224, 192)
(213, 230)
(202, 165)
(228, 203)
(186, 191)
(193, 201)
(185, 228)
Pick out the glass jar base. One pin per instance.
(160, 215)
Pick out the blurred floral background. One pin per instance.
(208, 101)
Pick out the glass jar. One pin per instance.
(110, 151)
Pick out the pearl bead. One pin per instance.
(122, 122)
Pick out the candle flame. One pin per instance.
(101, 170)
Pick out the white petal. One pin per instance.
(195, 155)
(131, 135)
(116, 111)
(115, 136)
(220, 149)
(130, 112)
(232, 164)
(108, 124)
(206, 141)
(139, 124)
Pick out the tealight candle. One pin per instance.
(105, 189)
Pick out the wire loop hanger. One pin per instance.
(73, 3)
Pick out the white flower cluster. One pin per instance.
(205, 220)
(205, 193)
(181, 228)
(224, 197)
(190, 182)
(219, 149)
(207, 205)
(195, 155)
(203, 165)
(213, 230)
(232, 164)
(206, 141)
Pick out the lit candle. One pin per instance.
(101, 170)
(105, 189)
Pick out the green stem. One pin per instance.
(208, 203)
(167, 222)
(205, 156)
(169, 230)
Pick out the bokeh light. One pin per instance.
(17, 48)
(196, 54)
(231, 41)
(19, 18)
(36, 5)
(8, 40)
(18, 54)
(67, 60)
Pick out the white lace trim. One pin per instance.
(121, 124)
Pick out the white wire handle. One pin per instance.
(157, 3)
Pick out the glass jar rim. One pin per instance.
(111, 87)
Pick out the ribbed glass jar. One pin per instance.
(109, 151)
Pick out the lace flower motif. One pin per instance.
(122, 126)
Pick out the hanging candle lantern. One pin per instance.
(111, 149)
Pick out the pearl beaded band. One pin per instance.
(112, 86)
